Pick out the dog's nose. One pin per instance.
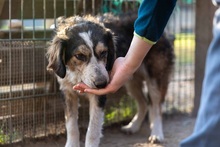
(100, 84)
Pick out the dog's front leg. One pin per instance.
(94, 132)
(155, 113)
(71, 116)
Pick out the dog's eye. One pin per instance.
(103, 54)
(80, 57)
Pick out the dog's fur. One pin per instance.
(150, 82)
(83, 50)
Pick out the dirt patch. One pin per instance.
(176, 128)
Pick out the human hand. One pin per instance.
(119, 75)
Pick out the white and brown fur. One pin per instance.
(150, 82)
(83, 50)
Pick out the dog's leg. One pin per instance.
(71, 116)
(94, 132)
(134, 88)
(155, 113)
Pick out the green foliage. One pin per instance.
(5, 138)
(124, 110)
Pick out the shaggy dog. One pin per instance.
(83, 50)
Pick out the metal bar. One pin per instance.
(74, 7)
(27, 97)
(10, 73)
(84, 6)
(55, 117)
(10, 48)
(10, 123)
(22, 70)
(102, 4)
(45, 123)
(55, 12)
(34, 120)
(33, 13)
(44, 5)
(64, 7)
(22, 119)
(126, 3)
(22, 19)
(33, 16)
(9, 11)
(36, 39)
(133, 4)
(110, 7)
(93, 7)
(22, 48)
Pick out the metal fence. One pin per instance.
(30, 104)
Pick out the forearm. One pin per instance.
(147, 30)
(136, 53)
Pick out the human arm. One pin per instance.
(152, 19)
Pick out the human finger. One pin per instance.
(102, 91)
(80, 87)
(96, 91)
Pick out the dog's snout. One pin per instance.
(100, 83)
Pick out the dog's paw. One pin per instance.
(129, 129)
(155, 139)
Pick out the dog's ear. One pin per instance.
(55, 55)
(111, 50)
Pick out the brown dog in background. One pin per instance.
(150, 82)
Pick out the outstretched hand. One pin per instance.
(119, 75)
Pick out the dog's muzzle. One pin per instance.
(100, 83)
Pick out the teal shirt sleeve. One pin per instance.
(153, 16)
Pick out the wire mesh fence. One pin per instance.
(31, 105)
(181, 88)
